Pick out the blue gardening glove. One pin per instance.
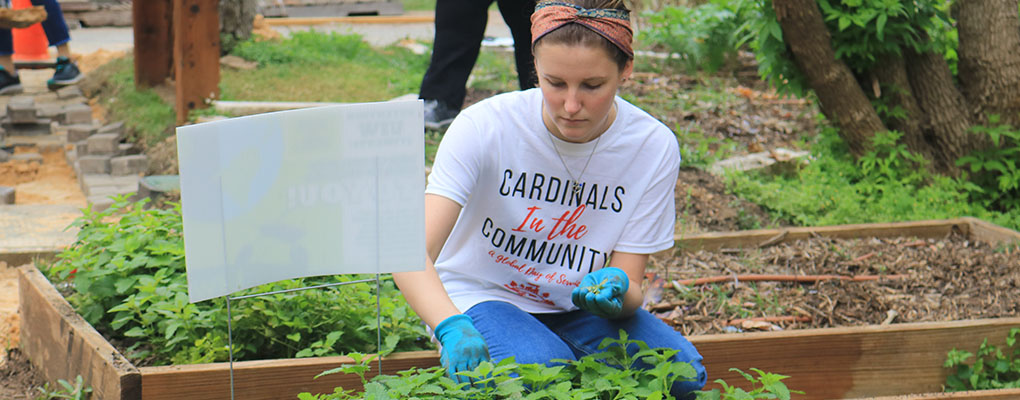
(601, 292)
(463, 347)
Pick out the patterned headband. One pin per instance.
(612, 24)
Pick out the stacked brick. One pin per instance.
(103, 163)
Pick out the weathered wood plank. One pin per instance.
(839, 363)
(990, 233)
(22, 257)
(196, 54)
(268, 379)
(921, 229)
(153, 23)
(998, 394)
(62, 345)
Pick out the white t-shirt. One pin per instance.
(521, 237)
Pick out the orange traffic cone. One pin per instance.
(30, 43)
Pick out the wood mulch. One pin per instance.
(946, 279)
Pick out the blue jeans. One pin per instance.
(54, 26)
(539, 338)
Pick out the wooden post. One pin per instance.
(153, 23)
(196, 54)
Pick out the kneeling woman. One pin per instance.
(537, 196)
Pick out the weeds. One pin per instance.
(612, 373)
(128, 278)
(76, 391)
(705, 37)
(887, 185)
(993, 368)
(995, 170)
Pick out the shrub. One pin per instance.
(126, 276)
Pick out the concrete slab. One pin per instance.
(34, 229)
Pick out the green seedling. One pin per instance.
(596, 289)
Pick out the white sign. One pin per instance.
(318, 191)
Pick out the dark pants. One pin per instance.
(460, 28)
(54, 26)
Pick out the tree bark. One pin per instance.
(891, 72)
(989, 68)
(841, 99)
(236, 18)
(946, 119)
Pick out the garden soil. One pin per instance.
(945, 279)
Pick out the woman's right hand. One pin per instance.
(463, 346)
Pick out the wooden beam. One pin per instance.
(989, 233)
(265, 380)
(62, 345)
(153, 23)
(196, 54)
(406, 19)
(22, 257)
(840, 363)
(996, 394)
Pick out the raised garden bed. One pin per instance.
(826, 363)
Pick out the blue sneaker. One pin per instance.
(67, 74)
(9, 84)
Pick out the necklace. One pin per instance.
(576, 187)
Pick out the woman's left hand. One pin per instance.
(601, 292)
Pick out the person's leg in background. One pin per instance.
(517, 15)
(583, 332)
(460, 27)
(10, 83)
(57, 34)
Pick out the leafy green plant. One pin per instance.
(609, 374)
(128, 280)
(889, 161)
(67, 390)
(862, 31)
(993, 368)
(770, 50)
(766, 385)
(886, 186)
(704, 37)
(995, 170)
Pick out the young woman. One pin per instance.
(538, 196)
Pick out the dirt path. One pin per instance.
(52, 182)
(8, 308)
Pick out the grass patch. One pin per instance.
(419, 5)
(494, 70)
(329, 67)
(145, 114)
(836, 189)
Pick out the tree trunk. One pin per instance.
(236, 18)
(989, 51)
(841, 99)
(946, 119)
(891, 72)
